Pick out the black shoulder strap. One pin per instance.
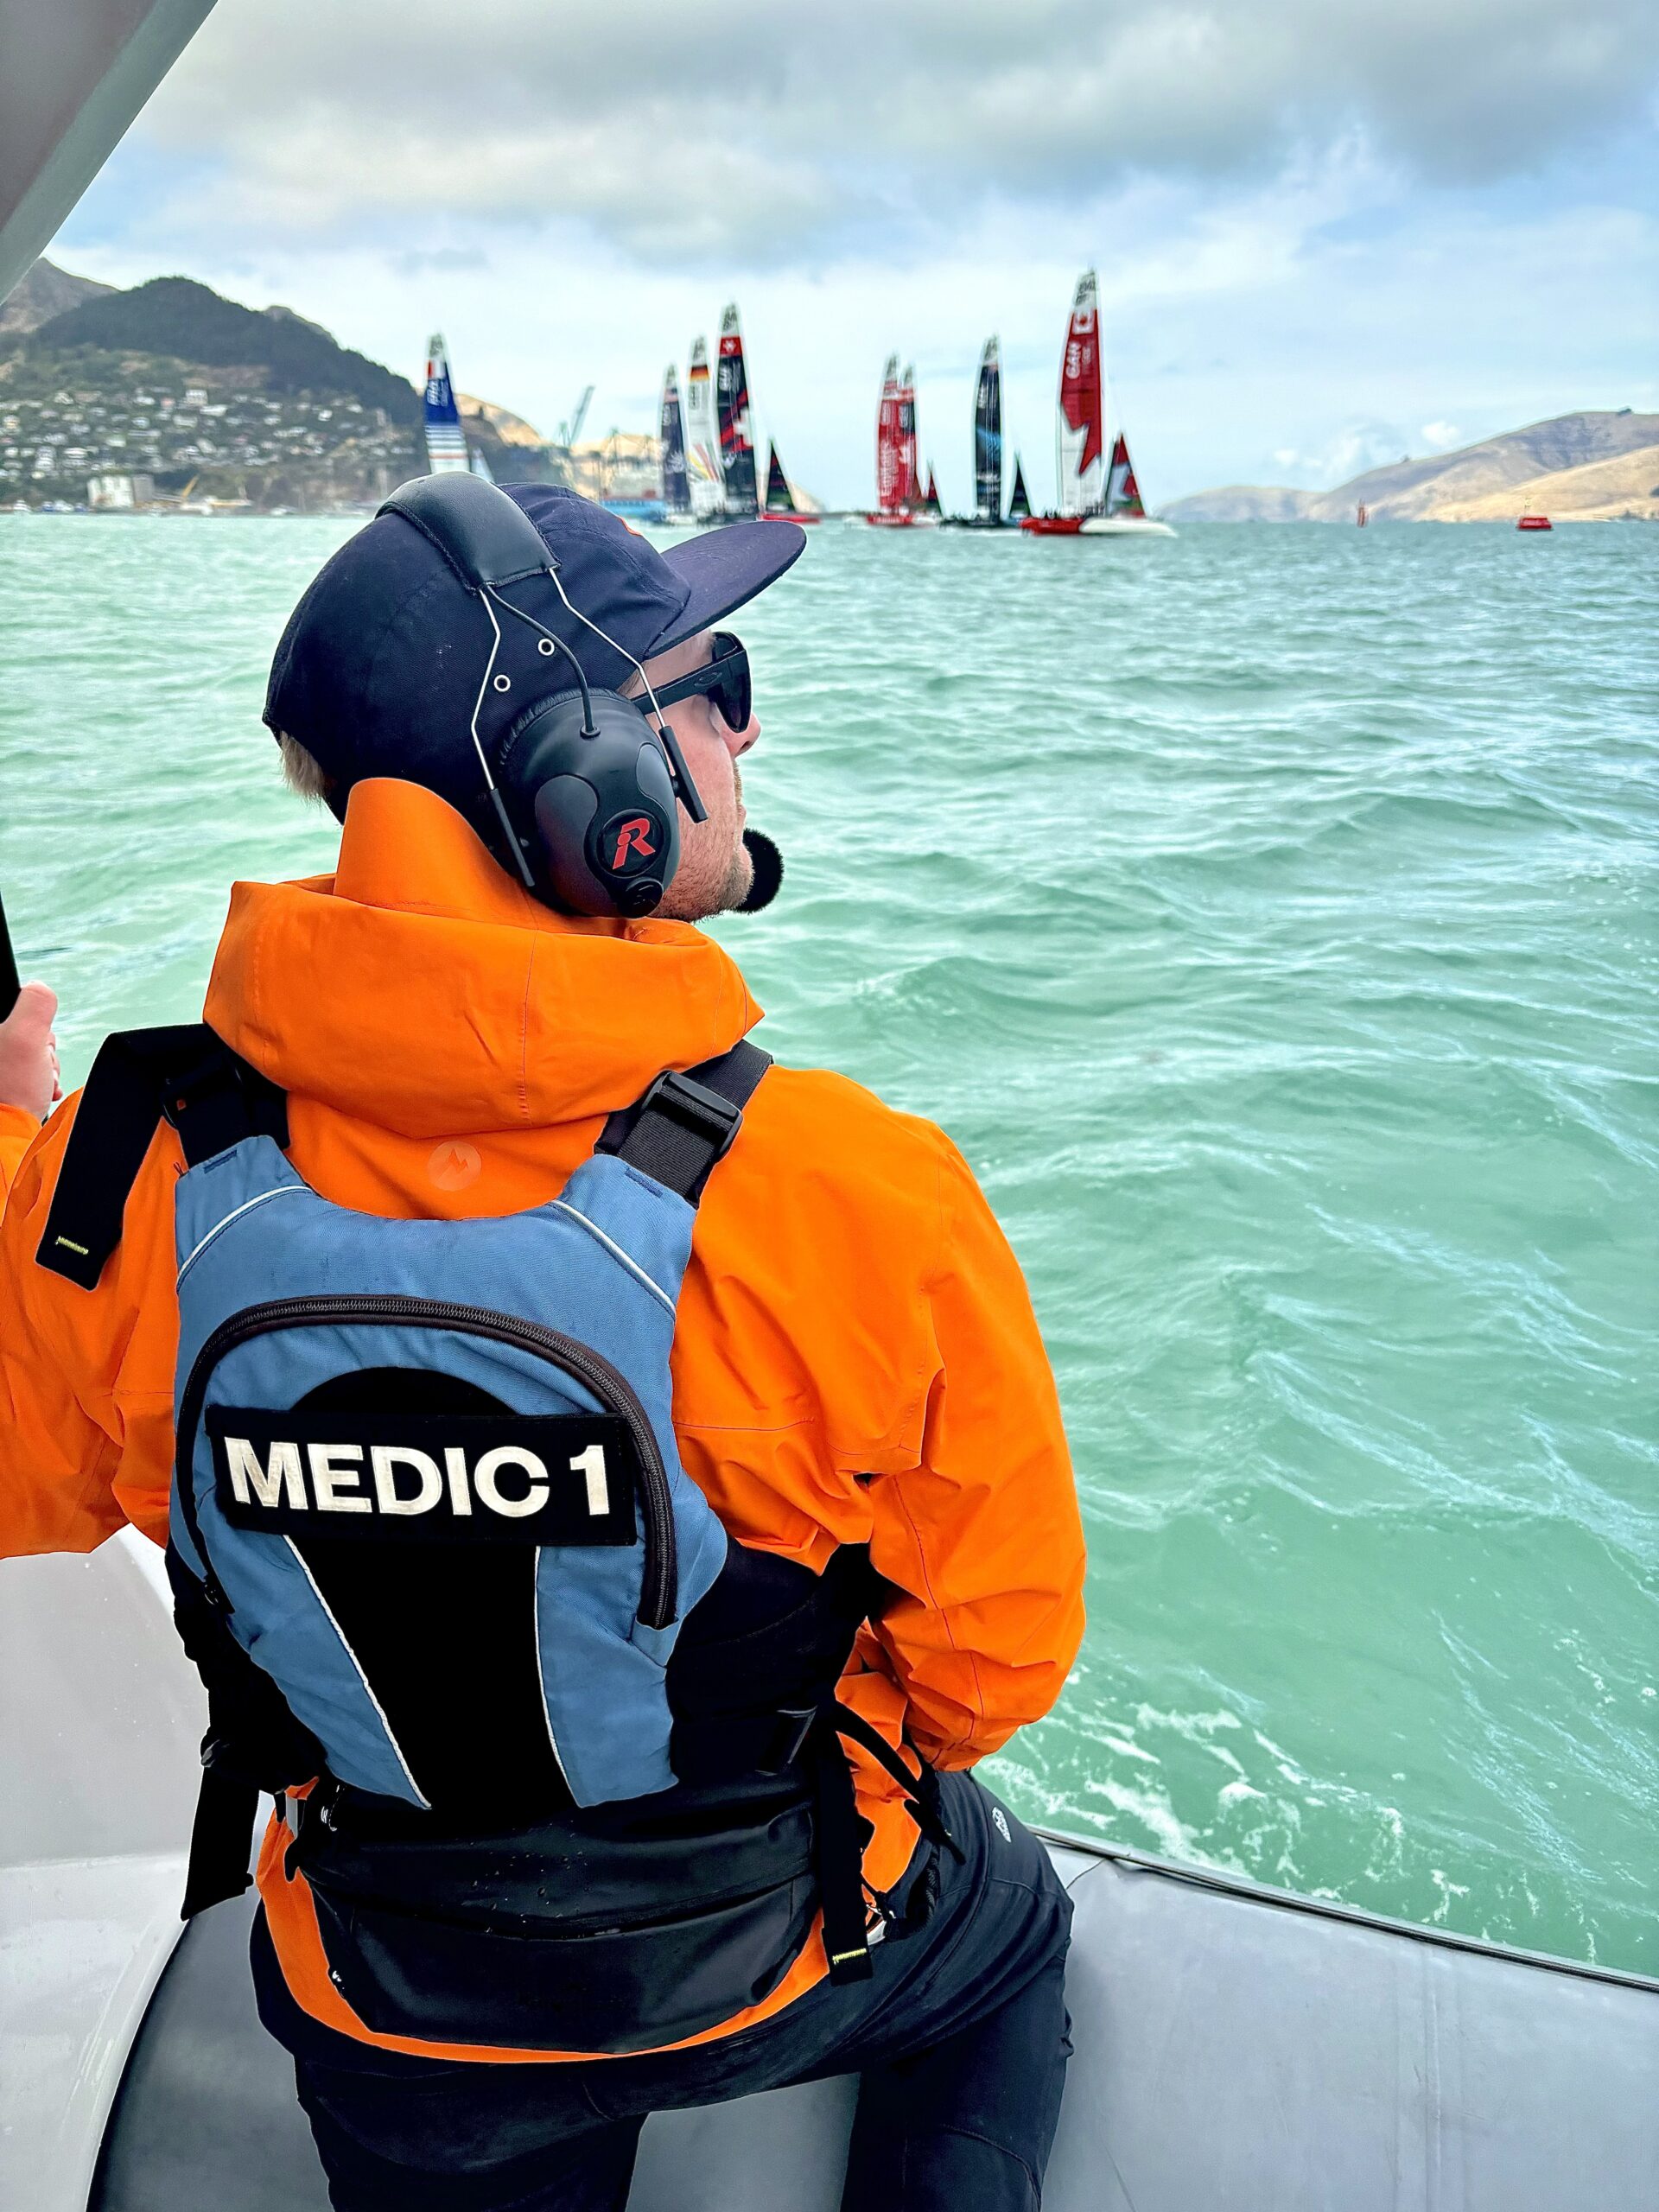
(686, 1123)
(185, 1075)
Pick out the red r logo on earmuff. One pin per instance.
(633, 836)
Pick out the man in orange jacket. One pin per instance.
(857, 1373)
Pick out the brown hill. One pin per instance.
(1624, 487)
(1428, 489)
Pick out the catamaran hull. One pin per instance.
(1234, 2046)
(1094, 526)
(1123, 526)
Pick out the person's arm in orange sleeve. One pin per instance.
(18, 1130)
(85, 1377)
(983, 1539)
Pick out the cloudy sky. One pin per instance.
(1328, 232)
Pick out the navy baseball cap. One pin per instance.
(379, 669)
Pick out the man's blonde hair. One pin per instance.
(302, 771)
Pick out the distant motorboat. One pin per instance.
(1535, 522)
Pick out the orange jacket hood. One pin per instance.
(462, 988)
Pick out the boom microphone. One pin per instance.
(768, 872)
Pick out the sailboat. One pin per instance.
(707, 479)
(736, 439)
(780, 496)
(446, 442)
(900, 501)
(676, 481)
(1094, 501)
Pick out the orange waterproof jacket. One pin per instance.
(855, 1360)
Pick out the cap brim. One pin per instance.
(726, 568)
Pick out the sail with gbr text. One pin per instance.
(1080, 427)
(736, 438)
(708, 484)
(446, 442)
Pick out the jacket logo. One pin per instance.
(459, 1479)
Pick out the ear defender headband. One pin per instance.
(584, 785)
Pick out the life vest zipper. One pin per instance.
(660, 1583)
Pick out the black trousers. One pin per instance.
(960, 2041)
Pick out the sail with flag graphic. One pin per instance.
(988, 436)
(780, 500)
(677, 482)
(1080, 427)
(1019, 499)
(1123, 493)
(708, 484)
(446, 442)
(889, 480)
(736, 439)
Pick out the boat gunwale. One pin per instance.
(1263, 1893)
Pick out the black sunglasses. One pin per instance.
(725, 680)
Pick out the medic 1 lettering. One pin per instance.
(465, 1480)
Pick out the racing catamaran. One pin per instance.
(446, 442)
(677, 482)
(900, 503)
(707, 482)
(736, 438)
(1091, 501)
(780, 493)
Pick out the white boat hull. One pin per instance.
(1123, 526)
(1234, 2046)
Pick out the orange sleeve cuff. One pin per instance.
(18, 1130)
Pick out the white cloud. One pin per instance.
(775, 130)
(1439, 436)
(571, 198)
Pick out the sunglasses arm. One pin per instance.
(684, 789)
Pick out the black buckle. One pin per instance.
(703, 1112)
(794, 1726)
(209, 1079)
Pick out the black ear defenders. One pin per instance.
(582, 787)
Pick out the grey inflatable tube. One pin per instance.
(1235, 2047)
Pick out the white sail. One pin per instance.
(702, 437)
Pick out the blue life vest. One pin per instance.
(578, 1763)
(429, 1467)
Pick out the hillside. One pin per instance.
(1428, 489)
(174, 317)
(1624, 487)
(176, 391)
(44, 291)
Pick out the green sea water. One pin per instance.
(1270, 915)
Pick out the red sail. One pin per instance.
(1123, 493)
(1083, 414)
(887, 480)
(910, 481)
